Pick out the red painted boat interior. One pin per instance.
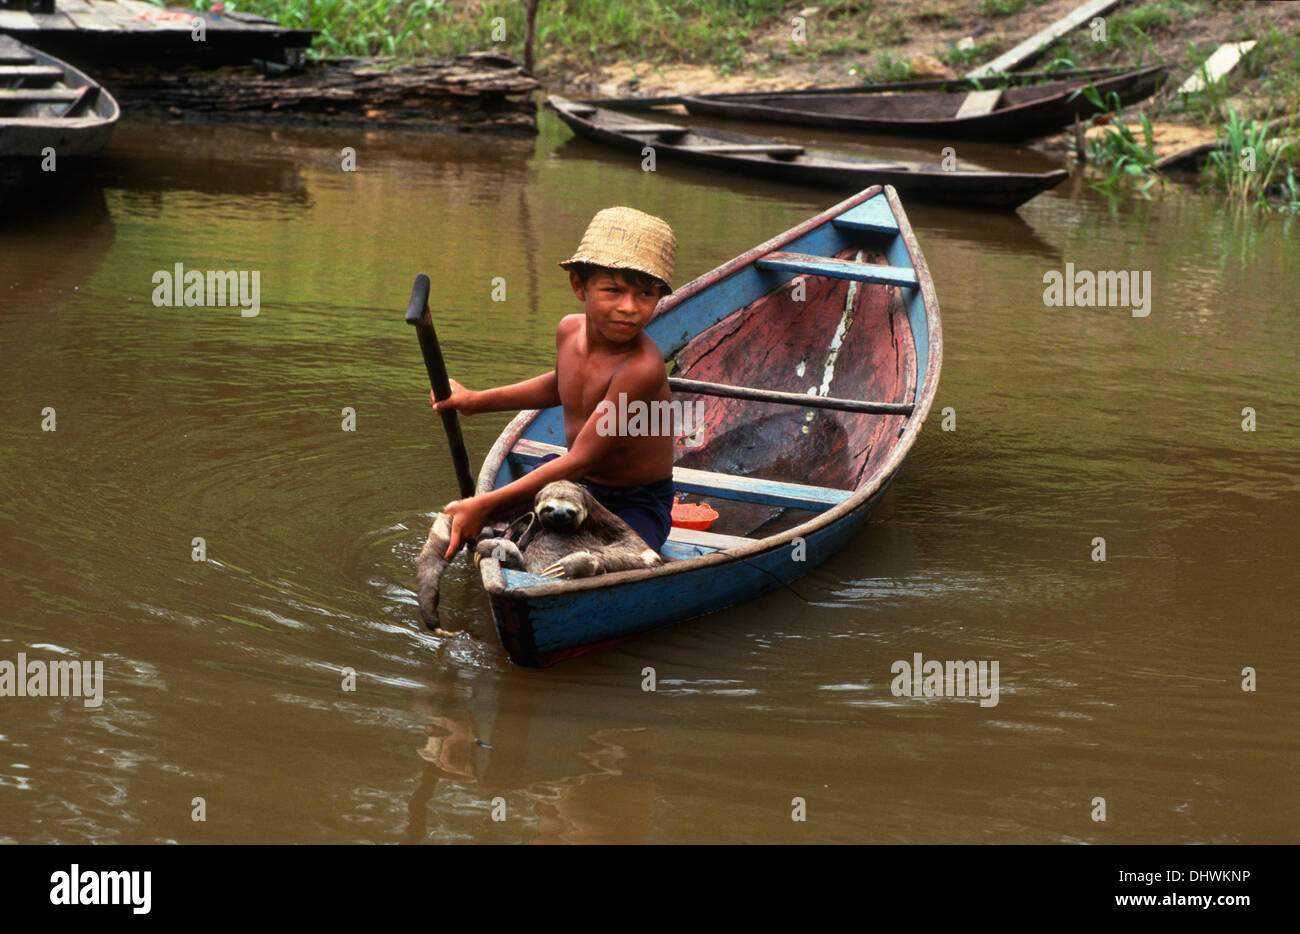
(863, 345)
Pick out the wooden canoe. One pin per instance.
(45, 103)
(841, 307)
(1006, 114)
(1000, 80)
(756, 157)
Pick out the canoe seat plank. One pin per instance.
(872, 215)
(778, 150)
(666, 129)
(723, 486)
(43, 73)
(838, 268)
(37, 96)
(707, 539)
(979, 103)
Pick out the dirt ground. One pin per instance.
(1224, 22)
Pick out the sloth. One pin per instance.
(568, 534)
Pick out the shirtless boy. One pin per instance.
(622, 268)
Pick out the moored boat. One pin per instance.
(815, 358)
(989, 113)
(764, 158)
(47, 105)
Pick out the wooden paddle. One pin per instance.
(417, 313)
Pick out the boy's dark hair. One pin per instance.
(636, 277)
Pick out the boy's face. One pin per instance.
(617, 309)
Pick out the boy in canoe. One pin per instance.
(622, 267)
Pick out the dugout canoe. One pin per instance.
(998, 114)
(1000, 80)
(756, 157)
(47, 104)
(834, 324)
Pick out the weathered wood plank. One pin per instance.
(42, 73)
(36, 96)
(92, 21)
(770, 149)
(18, 21)
(839, 269)
(707, 539)
(650, 128)
(979, 103)
(1224, 59)
(1041, 40)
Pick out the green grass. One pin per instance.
(579, 32)
(978, 54)
(1001, 7)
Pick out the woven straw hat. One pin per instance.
(625, 238)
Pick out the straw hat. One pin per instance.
(625, 238)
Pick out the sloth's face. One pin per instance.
(559, 506)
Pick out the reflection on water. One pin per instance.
(286, 678)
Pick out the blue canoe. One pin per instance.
(832, 331)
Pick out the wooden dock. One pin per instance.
(122, 32)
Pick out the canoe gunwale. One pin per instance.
(494, 581)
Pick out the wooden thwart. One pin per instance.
(979, 103)
(37, 96)
(678, 384)
(43, 73)
(758, 149)
(719, 485)
(839, 268)
(707, 539)
(666, 129)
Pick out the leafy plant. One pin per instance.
(1243, 164)
(1117, 149)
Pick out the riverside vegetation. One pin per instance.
(872, 40)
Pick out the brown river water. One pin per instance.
(226, 679)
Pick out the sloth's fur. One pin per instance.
(570, 535)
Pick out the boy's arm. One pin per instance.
(540, 392)
(638, 379)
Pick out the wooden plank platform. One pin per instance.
(122, 32)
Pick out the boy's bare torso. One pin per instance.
(583, 378)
